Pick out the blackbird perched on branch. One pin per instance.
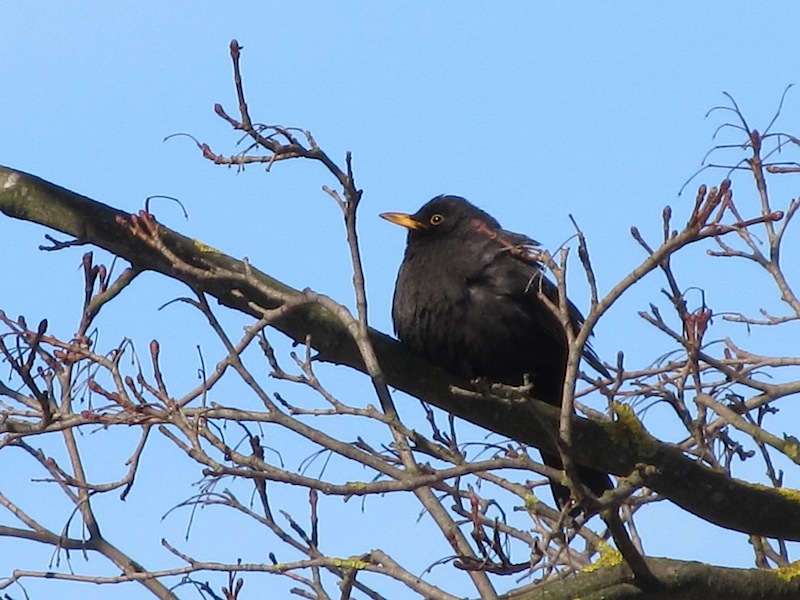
(468, 300)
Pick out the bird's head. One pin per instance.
(441, 216)
(454, 218)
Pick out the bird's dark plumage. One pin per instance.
(467, 299)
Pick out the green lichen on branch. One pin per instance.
(789, 572)
(609, 557)
(205, 248)
(789, 493)
(792, 448)
(356, 564)
(627, 431)
(359, 486)
(530, 502)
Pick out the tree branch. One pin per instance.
(618, 447)
(679, 579)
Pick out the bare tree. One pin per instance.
(481, 496)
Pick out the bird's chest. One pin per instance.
(435, 288)
(464, 317)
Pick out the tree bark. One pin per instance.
(677, 580)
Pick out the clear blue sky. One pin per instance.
(533, 111)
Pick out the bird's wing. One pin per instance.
(550, 291)
(515, 271)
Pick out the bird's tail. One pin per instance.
(595, 480)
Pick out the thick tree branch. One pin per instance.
(678, 579)
(618, 447)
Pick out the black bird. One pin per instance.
(467, 300)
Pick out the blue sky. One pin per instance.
(534, 111)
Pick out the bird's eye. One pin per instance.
(437, 219)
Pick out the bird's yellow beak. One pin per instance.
(403, 220)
